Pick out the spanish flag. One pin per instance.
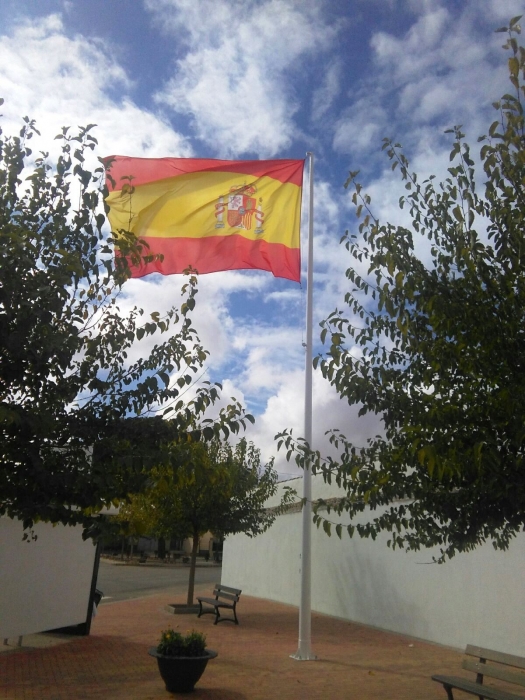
(211, 215)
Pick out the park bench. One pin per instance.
(498, 668)
(225, 598)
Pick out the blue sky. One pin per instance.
(262, 79)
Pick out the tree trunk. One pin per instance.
(161, 548)
(193, 563)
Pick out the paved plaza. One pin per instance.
(354, 661)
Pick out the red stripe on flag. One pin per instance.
(146, 170)
(219, 253)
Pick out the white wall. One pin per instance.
(45, 583)
(476, 598)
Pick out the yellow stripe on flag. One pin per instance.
(198, 205)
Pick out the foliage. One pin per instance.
(437, 348)
(68, 381)
(207, 487)
(175, 644)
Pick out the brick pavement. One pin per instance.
(354, 661)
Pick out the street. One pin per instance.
(120, 581)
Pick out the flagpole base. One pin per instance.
(303, 655)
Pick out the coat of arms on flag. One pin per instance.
(241, 209)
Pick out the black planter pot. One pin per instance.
(180, 673)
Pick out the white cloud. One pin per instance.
(440, 69)
(324, 96)
(362, 126)
(445, 69)
(269, 354)
(61, 81)
(503, 9)
(285, 409)
(409, 55)
(235, 80)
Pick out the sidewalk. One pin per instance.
(253, 663)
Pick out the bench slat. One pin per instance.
(228, 596)
(216, 603)
(485, 691)
(492, 671)
(497, 656)
(212, 601)
(227, 589)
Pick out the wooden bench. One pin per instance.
(499, 669)
(225, 598)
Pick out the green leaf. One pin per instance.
(514, 66)
(458, 214)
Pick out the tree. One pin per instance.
(442, 346)
(67, 386)
(208, 487)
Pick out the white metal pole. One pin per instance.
(304, 652)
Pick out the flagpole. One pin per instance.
(304, 652)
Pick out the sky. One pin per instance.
(258, 79)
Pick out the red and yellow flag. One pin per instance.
(211, 215)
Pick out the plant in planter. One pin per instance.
(181, 659)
